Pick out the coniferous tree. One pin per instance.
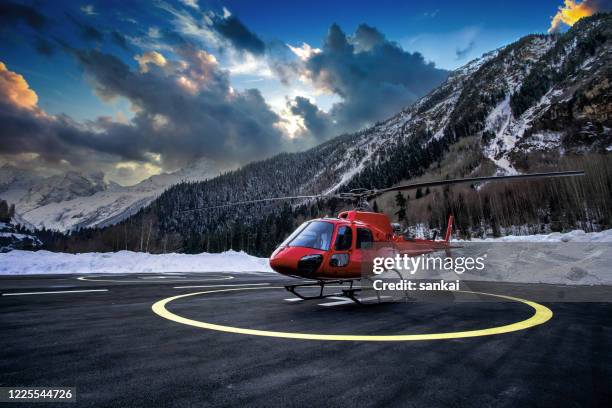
(400, 202)
(4, 211)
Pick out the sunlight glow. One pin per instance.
(570, 13)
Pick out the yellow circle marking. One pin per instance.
(85, 278)
(542, 315)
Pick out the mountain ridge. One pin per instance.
(73, 200)
(505, 107)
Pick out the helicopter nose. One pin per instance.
(296, 261)
(282, 263)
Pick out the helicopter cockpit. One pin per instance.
(312, 234)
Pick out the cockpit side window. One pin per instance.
(364, 238)
(344, 239)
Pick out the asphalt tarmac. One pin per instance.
(100, 335)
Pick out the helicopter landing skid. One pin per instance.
(351, 294)
(348, 293)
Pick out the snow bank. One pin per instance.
(43, 262)
(572, 258)
(574, 263)
(573, 236)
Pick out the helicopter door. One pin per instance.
(364, 247)
(340, 260)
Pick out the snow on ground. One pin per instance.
(573, 236)
(572, 258)
(580, 259)
(43, 262)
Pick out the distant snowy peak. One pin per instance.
(197, 170)
(36, 189)
(10, 174)
(74, 200)
(65, 187)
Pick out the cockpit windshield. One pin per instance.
(314, 234)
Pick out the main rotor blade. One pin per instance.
(478, 180)
(371, 194)
(261, 200)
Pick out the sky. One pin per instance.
(136, 88)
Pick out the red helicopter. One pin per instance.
(334, 250)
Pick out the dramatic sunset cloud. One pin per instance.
(15, 90)
(573, 11)
(135, 88)
(184, 112)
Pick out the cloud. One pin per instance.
(151, 57)
(12, 13)
(191, 3)
(25, 24)
(132, 172)
(28, 133)
(234, 31)
(15, 90)
(219, 30)
(314, 120)
(119, 40)
(184, 110)
(188, 25)
(441, 47)
(431, 14)
(153, 32)
(461, 53)
(183, 114)
(88, 32)
(88, 9)
(573, 11)
(242, 51)
(366, 38)
(374, 77)
(249, 64)
(184, 107)
(305, 51)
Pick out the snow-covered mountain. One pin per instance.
(73, 200)
(544, 94)
(547, 94)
